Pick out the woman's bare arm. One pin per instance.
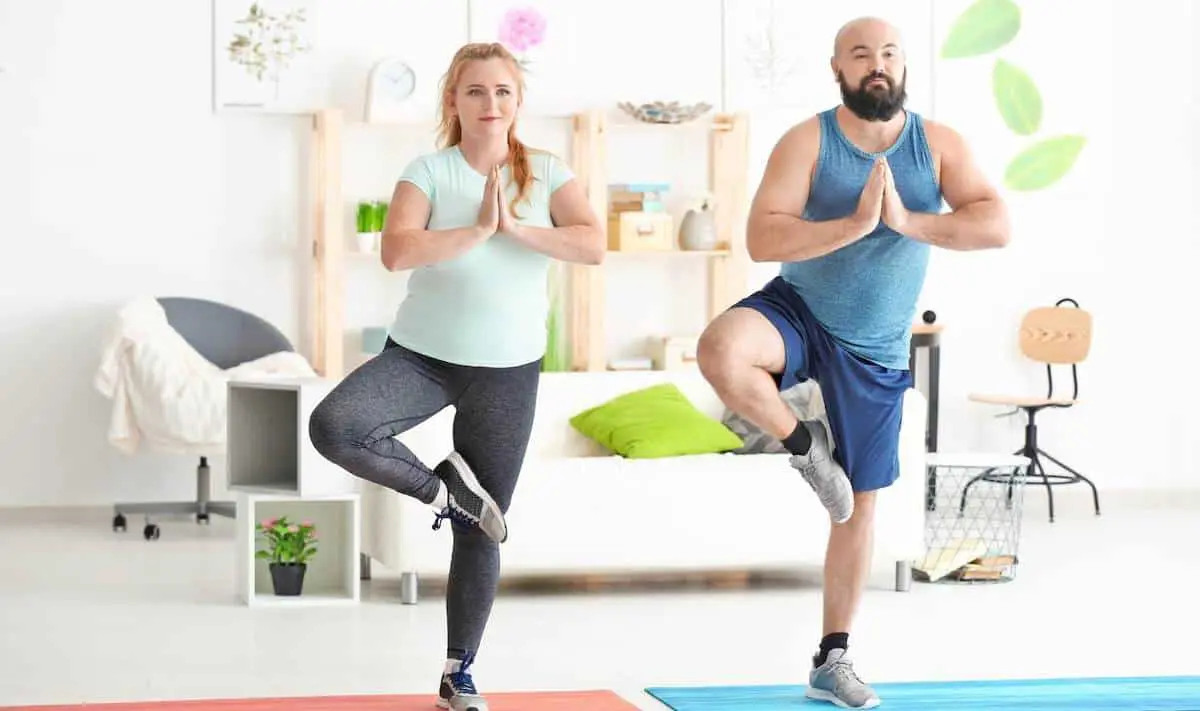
(406, 241)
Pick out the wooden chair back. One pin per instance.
(1057, 334)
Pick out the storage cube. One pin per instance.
(267, 446)
(640, 231)
(332, 576)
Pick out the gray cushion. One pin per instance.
(800, 398)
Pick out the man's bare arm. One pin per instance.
(776, 230)
(978, 217)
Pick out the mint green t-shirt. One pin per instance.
(487, 306)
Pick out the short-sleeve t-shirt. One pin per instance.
(488, 306)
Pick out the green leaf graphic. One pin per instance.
(1017, 97)
(985, 26)
(1043, 163)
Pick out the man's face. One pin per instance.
(869, 66)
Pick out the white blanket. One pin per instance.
(163, 391)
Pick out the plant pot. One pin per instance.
(368, 241)
(288, 578)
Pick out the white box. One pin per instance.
(267, 446)
(332, 576)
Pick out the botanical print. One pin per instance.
(259, 50)
(987, 26)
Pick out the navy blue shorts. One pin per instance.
(864, 400)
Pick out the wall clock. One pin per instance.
(389, 87)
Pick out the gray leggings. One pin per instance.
(399, 389)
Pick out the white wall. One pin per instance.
(1118, 234)
(113, 164)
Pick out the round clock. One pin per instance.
(391, 83)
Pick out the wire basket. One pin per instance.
(972, 518)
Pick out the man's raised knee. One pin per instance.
(717, 351)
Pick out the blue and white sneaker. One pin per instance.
(835, 682)
(457, 691)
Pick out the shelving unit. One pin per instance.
(585, 286)
(728, 145)
(332, 577)
(275, 471)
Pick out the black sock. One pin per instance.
(799, 440)
(836, 640)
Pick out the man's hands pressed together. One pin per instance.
(895, 215)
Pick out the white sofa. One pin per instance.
(579, 509)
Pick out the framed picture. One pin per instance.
(265, 56)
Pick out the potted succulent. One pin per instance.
(370, 216)
(289, 547)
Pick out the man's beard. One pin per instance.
(874, 104)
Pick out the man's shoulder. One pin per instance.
(803, 137)
(941, 137)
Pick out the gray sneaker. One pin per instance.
(457, 691)
(468, 503)
(825, 475)
(835, 682)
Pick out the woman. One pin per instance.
(478, 222)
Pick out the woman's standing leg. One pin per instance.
(491, 431)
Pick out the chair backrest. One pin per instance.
(1057, 334)
(225, 335)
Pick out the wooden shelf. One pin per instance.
(728, 145)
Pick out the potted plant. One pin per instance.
(289, 547)
(370, 217)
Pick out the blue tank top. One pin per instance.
(865, 294)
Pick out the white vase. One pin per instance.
(368, 241)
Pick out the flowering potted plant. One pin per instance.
(289, 548)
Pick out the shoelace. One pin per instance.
(461, 680)
(843, 671)
(455, 515)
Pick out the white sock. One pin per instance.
(442, 499)
(452, 665)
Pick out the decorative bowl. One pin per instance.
(665, 111)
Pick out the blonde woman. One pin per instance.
(477, 222)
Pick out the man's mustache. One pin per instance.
(876, 75)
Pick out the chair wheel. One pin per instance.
(150, 532)
(202, 519)
(119, 523)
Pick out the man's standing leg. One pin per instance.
(847, 566)
(864, 402)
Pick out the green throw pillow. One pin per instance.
(657, 421)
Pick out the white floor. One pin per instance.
(90, 615)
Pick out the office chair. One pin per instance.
(227, 337)
(1056, 335)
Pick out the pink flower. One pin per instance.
(522, 28)
(269, 523)
(307, 524)
(293, 528)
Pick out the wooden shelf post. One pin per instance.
(728, 164)
(329, 245)
(585, 313)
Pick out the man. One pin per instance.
(850, 203)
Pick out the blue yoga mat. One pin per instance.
(1132, 694)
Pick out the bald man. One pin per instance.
(850, 204)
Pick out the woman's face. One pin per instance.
(485, 99)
